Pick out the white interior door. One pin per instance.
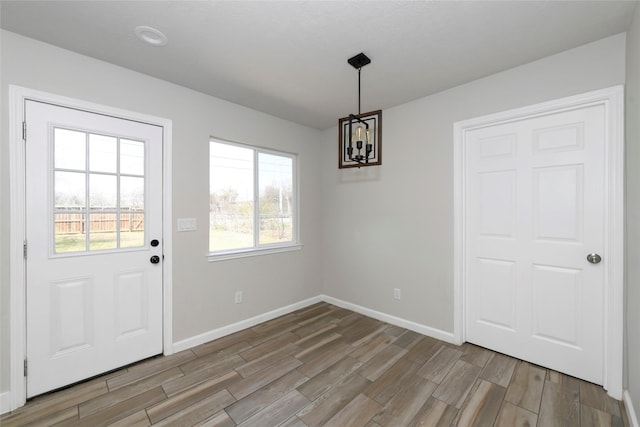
(535, 210)
(93, 224)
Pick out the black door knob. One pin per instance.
(154, 259)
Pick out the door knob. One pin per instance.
(594, 258)
(154, 259)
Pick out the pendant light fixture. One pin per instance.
(360, 135)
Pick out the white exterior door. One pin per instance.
(535, 197)
(93, 223)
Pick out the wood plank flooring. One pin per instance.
(327, 366)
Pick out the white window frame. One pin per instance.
(257, 248)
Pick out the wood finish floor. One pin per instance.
(327, 366)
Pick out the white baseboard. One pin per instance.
(5, 402)
(243, 324)
(248, 323)
(397, 321)
(628, 404)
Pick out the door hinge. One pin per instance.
(25, 367)
(24, 249)
(24, 131)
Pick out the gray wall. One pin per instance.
(392, 226)
(633, 209)
(203, 292)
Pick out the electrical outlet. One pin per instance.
(396, 293)
(238, 297)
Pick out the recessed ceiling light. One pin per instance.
(151, 35)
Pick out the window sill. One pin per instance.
(244, 253)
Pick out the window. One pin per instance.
(98, 187)
(252, 200)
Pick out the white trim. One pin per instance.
(248, 323)
(612, 99)
(459, 231)
(17, 329)
(631, 413)
(17, 337)
(393, 320)
(5, 402)
(167, 235)
(244, 253)
(214, 334)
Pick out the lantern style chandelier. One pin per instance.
(360, 135)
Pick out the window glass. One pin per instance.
(251, 197)
(103, 227)
(103, 192)
(103, 153)
(69, 149)
(99, 204)
(131, 157)
(276, 196)
(230, 197)
(70, 233)
(69, 189)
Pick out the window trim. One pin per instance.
(257, 249)
(250, 252)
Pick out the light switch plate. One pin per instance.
(187, 224)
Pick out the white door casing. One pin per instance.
(18, 337)
(536, 190)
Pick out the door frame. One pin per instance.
(17, 218)
(612, 99)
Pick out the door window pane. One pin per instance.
(69, 189)
(131, 193)
(103, 153)
(69, 149)
(131, 229)
(103, 191)
(131, 212)
(131, 157)
(113, 215)
(69, 218)
(69, 231)
(103, 233)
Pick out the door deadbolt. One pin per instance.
(154, 259)
(154, 243)
(594, 258)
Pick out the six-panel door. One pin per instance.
(535, 198)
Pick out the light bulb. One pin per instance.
(370, 136)
(359, 133)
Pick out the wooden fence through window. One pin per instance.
(99, 222)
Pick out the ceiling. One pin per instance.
(289, 58)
